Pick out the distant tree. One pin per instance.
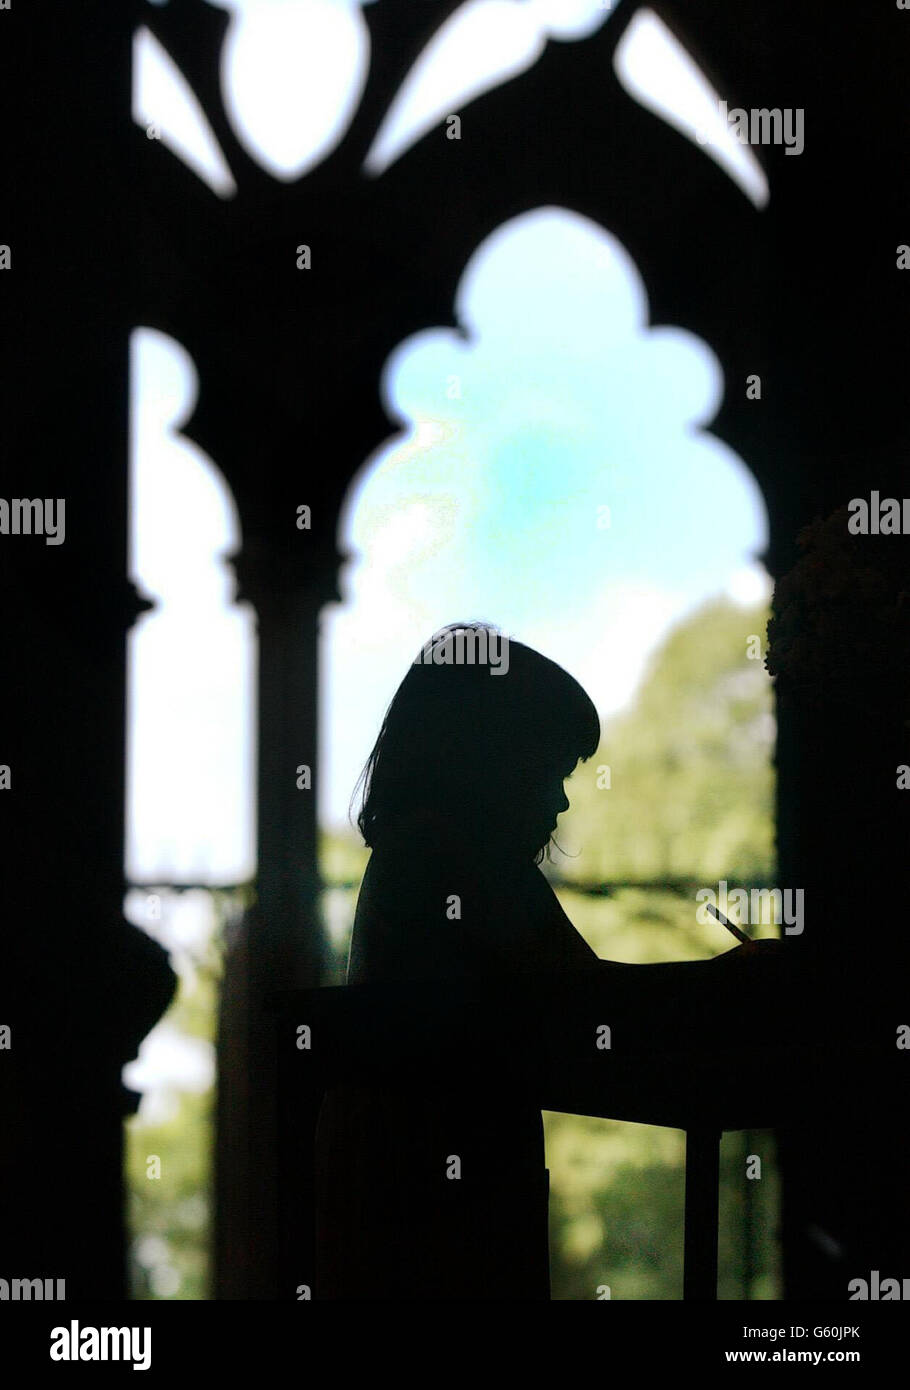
(691, 779)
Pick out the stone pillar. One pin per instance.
(80, 986)
(280, 945)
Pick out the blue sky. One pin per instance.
(492, 505)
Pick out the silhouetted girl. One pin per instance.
(460, 796)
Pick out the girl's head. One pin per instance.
(476, 744)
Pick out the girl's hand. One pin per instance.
(770, 948)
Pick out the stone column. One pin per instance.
(280, 945)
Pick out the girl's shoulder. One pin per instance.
(407, 924)
(434, 909)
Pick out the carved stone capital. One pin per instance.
(277, 578)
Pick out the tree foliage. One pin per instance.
(691, 780)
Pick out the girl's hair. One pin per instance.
(469, 744)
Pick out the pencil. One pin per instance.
(725, 922)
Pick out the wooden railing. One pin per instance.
(701, 1048)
